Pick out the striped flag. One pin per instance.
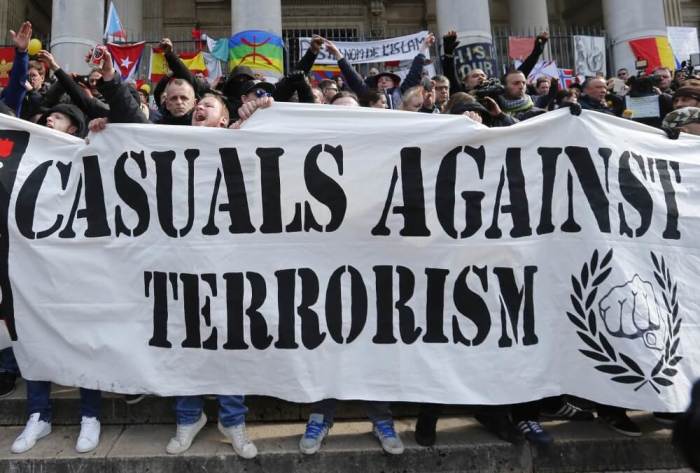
(159, 66)
(321, 72)
(259, 50)
(656, 50)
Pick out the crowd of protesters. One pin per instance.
(40, 91)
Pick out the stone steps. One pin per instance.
(462, 446)
(134, 439)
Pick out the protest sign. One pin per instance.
(589, 55)
(475, 56)
(684, 42)
(458, 264)
(400, 48)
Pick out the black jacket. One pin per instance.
(123, 105)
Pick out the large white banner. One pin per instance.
(401, 48)
(327, 252)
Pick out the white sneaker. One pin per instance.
(34, 430)
(89, 435)
(242, 445)
(184, 435)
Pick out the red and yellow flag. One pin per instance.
(656, 50)
(159, 66)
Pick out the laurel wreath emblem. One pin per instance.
(623, 368)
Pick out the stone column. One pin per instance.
(528, 17)
(472, 21)
(470, 18)
(131, 15)
(623, 24)
(76, 26)
(265, 15)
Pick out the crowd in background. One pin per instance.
(41, 91)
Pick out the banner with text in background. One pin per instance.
(400, 48)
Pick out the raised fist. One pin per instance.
(630, 311)
(449, 42)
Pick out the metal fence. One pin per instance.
(560, 46)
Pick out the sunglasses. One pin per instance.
(261, 93)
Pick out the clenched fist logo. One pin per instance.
(631, 311)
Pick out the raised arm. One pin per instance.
(123, 106)
(14, 93)
(529, 63)
(352, 77)
(449, 44)
(307, 61)
(91, 106)
(415, 73)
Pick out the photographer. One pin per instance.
(476, 77)
(645, 87)
(92, 107)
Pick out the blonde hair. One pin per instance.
(411, 93)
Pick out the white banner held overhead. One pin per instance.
(589, 55)
(384, 255)
(401, 48)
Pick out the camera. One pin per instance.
(84, 80)
(643, 86)
(489, 88)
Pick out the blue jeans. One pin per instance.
(232, 411)
(8, 363)
(39, 400)
(376, 410)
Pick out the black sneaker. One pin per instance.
(7, 383)
(622, 424)
(426, 425)
(666, 418)
(534, 433)
(133, 398)
(500, 425)
(568, 411)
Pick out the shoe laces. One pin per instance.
(88, 421)
(240, 436)
(182, 432)
(385, 428)
(32, 424)
(314, 429)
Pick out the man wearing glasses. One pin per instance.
(329, 89)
